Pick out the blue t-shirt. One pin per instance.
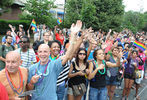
(13, 40)
(47, 88)
(90, 57)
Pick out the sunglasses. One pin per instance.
(23, 42)
(82, 53)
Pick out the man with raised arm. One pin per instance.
(43, 75)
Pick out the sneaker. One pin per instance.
(116, 95)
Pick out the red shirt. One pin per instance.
(3, 93)
(60, 38)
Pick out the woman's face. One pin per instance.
(134, 55)
(100, 55)
(82, 55)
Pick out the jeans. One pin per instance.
(60, 91)
(98, 94)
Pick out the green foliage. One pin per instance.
(4, 24)
(4, 4)
(135, 21)
(39, 10)
(99, 14)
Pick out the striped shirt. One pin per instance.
(63, 74)
(28, 58)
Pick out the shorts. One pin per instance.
(129, 76)
(138, 81)
(111, 80)
(70, 91)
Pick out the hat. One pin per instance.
(20, 25)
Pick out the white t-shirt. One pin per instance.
(28, 58)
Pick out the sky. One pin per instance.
(135, 5)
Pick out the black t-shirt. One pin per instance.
(99, 80)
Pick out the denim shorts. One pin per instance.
(111, 80)
(98, 94)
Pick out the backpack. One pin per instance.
(3, 48)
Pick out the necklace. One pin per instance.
(27, 56)
(45, 73)
(99, 70)
(12, 85)
(52, 59)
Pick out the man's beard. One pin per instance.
(9, 43)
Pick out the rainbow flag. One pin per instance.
(34, 27)
(139, 45)
(59, 21)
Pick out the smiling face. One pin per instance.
(43, 53)
(115, 51)
(13, 61)
(100, 55)
(55, 49)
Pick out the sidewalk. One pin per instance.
(142, 92)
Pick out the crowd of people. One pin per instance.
(70, 64)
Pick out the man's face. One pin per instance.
(9, 40)
(43, 53)
(24, 44)
(55, 49)
(46, 36)
(12, 63)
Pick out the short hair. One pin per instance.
(8, 36)
(135, 51)
(26, 37)
(115, 48)
(55, 41)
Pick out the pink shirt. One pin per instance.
(143, 57)
(109, 45)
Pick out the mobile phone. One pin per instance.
(79, 34)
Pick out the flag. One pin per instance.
(34, 27)
(59, 21)
(139, 45)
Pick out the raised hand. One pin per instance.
(120, 55)
(75, 28)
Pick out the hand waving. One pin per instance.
(75, 28)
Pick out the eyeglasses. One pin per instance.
(82, 53)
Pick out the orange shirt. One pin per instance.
(16, 80)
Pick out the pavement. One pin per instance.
(142, 91)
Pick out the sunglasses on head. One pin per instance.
(82, 53)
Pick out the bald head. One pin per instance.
(13, 54)
(44, 46)
(13, 61)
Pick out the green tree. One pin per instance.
(40, 11)
(135, 21)
(100, 14)
(4, 5)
